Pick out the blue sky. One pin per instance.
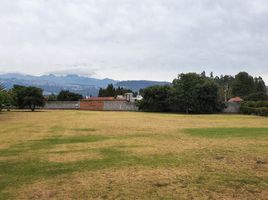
(127, 39)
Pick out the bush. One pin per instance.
(255, 107)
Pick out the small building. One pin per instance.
(233, 105)
(129, 97)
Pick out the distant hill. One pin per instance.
(72, 82)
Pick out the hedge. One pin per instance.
(255, 104)
(255, 107)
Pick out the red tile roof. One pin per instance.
(235, 99)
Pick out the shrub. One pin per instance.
(255, 107)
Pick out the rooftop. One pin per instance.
(235, 99)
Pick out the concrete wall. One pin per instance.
(119, 106)
(92, 105)
(114, 105)
(232, 107)
(68, 105)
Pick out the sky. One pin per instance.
(134, 39)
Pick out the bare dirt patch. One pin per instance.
(137, 183)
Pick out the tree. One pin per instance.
(5, 99)
(52, 97)
(155, 99)
(33, 97)
(66, 95)
(260, 86)
(189, 93)
(243, 85)
(203, 74)
(27, 97)
(224, 82)
(194, 93)
(258, 96)
(211, 75)
(18, 92)
(2, 96)
(206, 98)
(183, 88)
(111, 91)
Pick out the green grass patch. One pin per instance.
(14, 173)
(25, 169)
(228, 132)
(47, 143)
(84, 129)
(55, 129)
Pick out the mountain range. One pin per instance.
(79, 84)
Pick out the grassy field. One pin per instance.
(121, 155)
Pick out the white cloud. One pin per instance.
(142, 39)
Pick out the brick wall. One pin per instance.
(91, 105)
(108, 105)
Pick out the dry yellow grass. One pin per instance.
(129, 155)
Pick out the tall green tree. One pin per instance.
(33, 98)
(259, 85)
(2, 96)
(243, 85)
(189, 93)
(28, 97)
(111, 91)
(66, 95)
(225, 84)
(155, 99)
(194, 93)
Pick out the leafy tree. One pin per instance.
(52, 97)
(66, 95)
(107, 92)
(194, 93)
(18, 92)
(181, 93)
(243, 85)
(259, 85)
(258, 96)
(189, 93)
(5, 99)
(155, 99)
(33, 97)
(28, 97)
(2, 96)
(206, 98)
(225, 83)
(203, 74)
(111, 91)
(211, 75)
